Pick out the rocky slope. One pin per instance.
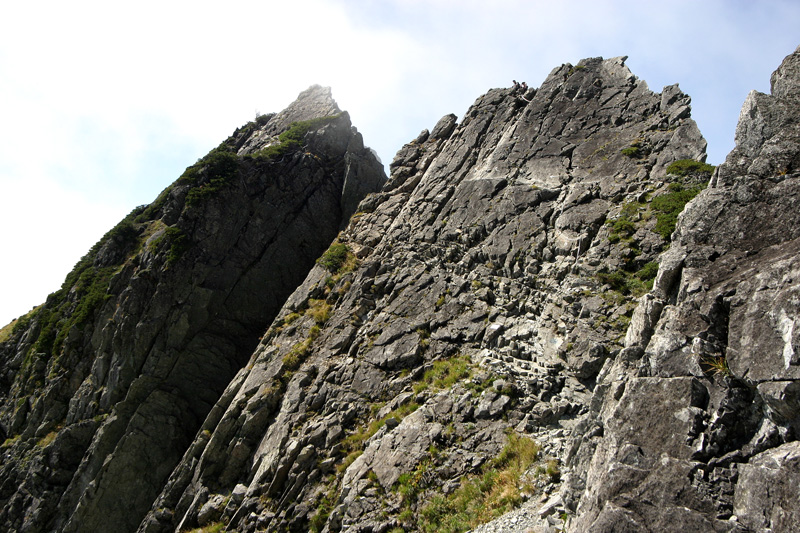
(472, 300)
(518, 317)
(104, 387)
(694, 424)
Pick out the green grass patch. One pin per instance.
(45, 441)
(319, 310)
(209, 175)
(410, 484)
(348, 460)
(445, 373)
(483, 497)
(355, 441)
(297, 354)
(10, 441)
(338, 260)
(7, 330)
(668, 206)
(716, 365)
(326, 504)
(216, 527)
(631, 283)
(690, 167)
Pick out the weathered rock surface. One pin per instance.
(488, 251)
(517, 276)
(699, 424)
(107, 386)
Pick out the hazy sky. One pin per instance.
(103, 104)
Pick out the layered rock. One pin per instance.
(479, 293)
(105, 386)
(695, 423)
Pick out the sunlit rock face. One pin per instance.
(699, 423)
(488, 257)
(522, 277)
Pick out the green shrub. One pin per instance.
(668, 206)
(648, 271)
(689, 167)
(617, 279)
(338, 259)
(334, 257)
(623, 226)
(634, 152)
(151, 211)
(179, 243)
(635, 283)
(292, 139)
(210, 174)
(22, 323)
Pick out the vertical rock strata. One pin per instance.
(505, 252)
(697, 418)
(105, 386)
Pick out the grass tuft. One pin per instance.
(483, 497)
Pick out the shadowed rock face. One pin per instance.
(486, 249)
(102, 400)
(700, 420)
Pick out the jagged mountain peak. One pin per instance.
(785, 80)
(519, 316)
(703, 398)
(767, 134)
(574, 127)
(476, 258)
(119, 367)
(316, 102)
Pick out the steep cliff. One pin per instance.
(694, 425)
(519, 317)
(105, 385)
(466, 309)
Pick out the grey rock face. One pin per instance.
(700, 423)
(489, 249)
(498, 285)
(106, 389)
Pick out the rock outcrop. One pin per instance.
(697, 419)
(481, 291)
(519, 317)
(105, 386)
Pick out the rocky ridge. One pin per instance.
(105, 386)
(510, 321)
(694, 424)
(479, 293)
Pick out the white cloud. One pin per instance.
(46, 230)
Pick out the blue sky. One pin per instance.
(103, 104)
